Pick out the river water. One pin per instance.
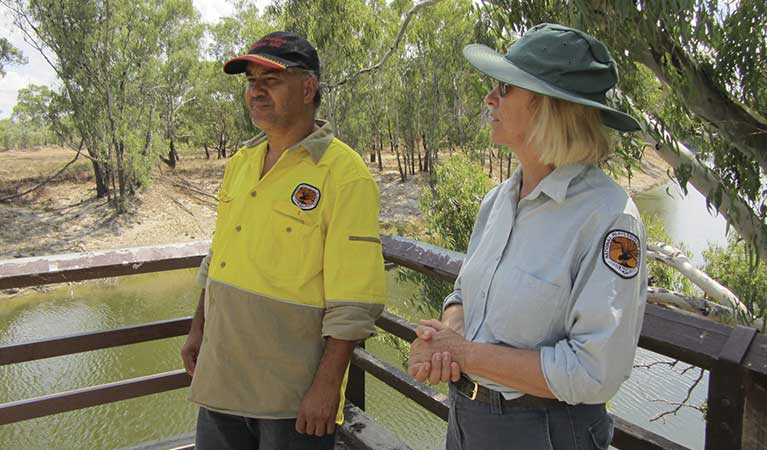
(111, 303)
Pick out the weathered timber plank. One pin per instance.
(92, 396)
(633, 437)
(425, 396)
(397, 326)
(755, 416)
(691, 339)
(38, 270)
(424, 258)
(360, 432)
(83, 342)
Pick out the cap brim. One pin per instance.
(495, 65)
(240, 63)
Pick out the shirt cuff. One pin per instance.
(350, 321)
(453, 299)
(202, 272)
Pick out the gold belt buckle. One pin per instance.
(474, 392)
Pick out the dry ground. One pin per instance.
(64, 215)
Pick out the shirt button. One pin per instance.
(238, 228)
(223, 264)
(253, 193)
(484, 293)
(288, 229)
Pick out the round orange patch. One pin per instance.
(305, 196)
(621, 253)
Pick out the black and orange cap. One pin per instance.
(279, 50)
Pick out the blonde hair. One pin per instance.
(566, 132)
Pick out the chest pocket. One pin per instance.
(524, 308)
(290, 248)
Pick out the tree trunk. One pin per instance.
(679, 261)
(207, 152)
(102, 183)
(490, 155)
(380, 160)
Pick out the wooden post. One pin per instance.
(755, 414)
(355, 385)
(727, 392)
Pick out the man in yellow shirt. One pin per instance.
(295, 274)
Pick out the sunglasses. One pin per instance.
(503, 88)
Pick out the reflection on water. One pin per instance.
(685, 217)
(146, 298)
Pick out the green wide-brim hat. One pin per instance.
(559, 62)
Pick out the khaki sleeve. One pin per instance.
(354, 277)
(202, 272)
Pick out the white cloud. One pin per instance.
(212, 10)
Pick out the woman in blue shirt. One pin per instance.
(543, 324)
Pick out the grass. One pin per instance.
(35, 165)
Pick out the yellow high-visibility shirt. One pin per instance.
(296, 257)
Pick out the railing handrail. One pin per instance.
(627, 435)
(736, 356)
(703, 343)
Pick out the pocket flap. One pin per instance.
(291, 211)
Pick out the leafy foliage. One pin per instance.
(9, 55)
(450, 210)
(736, 268)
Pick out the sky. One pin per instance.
(37, 71)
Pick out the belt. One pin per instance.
(477, 392)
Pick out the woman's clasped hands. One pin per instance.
(438, 354)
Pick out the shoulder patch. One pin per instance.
(306, 196)
(621, 253)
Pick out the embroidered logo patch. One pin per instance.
(621, 253)
(306, 196)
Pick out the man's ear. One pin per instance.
(311, 85)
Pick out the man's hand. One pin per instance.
(437, 353)
(317, 413)
(191, 349)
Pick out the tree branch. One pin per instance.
(679, 261)
(402, 29)
(704, 98)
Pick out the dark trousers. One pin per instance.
(474, 425)
(218, 431)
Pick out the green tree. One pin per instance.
(735, 268)
(450, 211)
(696, 70)
(9, 55)
(107, 56)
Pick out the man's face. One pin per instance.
(275, 97)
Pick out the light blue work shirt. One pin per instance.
(562, 270)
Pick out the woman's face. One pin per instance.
(509, 116)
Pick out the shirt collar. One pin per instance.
(555, 184)
(315, 143)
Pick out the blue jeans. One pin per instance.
(219, 431)
(474, 425)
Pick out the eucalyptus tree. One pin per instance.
(9, 55)
(107, 56)
(179, 56)
(696, 72)
(31, 113)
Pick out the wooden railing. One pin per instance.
(736, 357)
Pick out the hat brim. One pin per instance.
(495, 65)
(240, 63)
